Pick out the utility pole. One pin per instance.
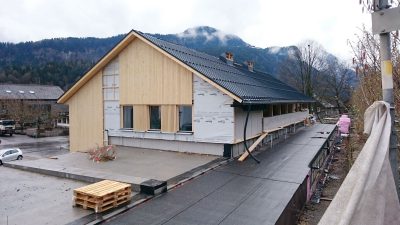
(383, 27)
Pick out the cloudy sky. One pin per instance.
(262, 23)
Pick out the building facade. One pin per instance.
(150, 93)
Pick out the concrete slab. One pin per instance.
(132, 165)
(31, 198)
(240, 193)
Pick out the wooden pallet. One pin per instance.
(102, 195)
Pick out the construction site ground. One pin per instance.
(313, 212)
(31, 198)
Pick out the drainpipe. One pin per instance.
(244, 135)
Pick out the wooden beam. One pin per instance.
(252, 147)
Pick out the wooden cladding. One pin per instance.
(141, 118)
(86, 116)
(169, 118)
(148, 77)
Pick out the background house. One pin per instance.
(150, 93)
(27, 104)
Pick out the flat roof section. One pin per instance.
(238, 192)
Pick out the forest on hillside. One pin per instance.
(58, 61)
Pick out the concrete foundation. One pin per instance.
(170, 145)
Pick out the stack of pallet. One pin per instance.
(102, 195)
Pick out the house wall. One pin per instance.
(147, 77)
(86, 116)
(213, 126)
(213, 116)
(254, 124)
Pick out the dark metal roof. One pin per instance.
(252, 87)
(27, 91)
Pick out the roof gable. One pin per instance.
(239, 83)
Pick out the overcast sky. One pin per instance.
(262, 23)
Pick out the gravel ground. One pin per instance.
(30, 198)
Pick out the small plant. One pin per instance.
(102, 154)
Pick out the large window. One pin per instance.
(185, 118)
(127, 121)
(155, 117)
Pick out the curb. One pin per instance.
(61, 174)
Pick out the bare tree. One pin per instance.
(26, 111)
(338, 79)
(366, 62)
(303, 66)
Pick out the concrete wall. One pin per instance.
(169, 145)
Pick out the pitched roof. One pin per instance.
(252, 87)
(239, 83)
(27, 91)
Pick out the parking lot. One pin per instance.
(34, 148)
(32, 198)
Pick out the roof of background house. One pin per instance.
(28, 91)
(252, 87)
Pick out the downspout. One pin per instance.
(244, 135)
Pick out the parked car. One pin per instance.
(10, 154)
(7, 127)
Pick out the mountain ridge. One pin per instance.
(62, 61)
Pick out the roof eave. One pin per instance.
(274, 101)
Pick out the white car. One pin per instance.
(10, 154)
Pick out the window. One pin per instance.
(185, 118)
(155, 118)
(127, 117)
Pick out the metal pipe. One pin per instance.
(387, 94)
(244, 135)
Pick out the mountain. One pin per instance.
(62, 61)
(214, 42)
